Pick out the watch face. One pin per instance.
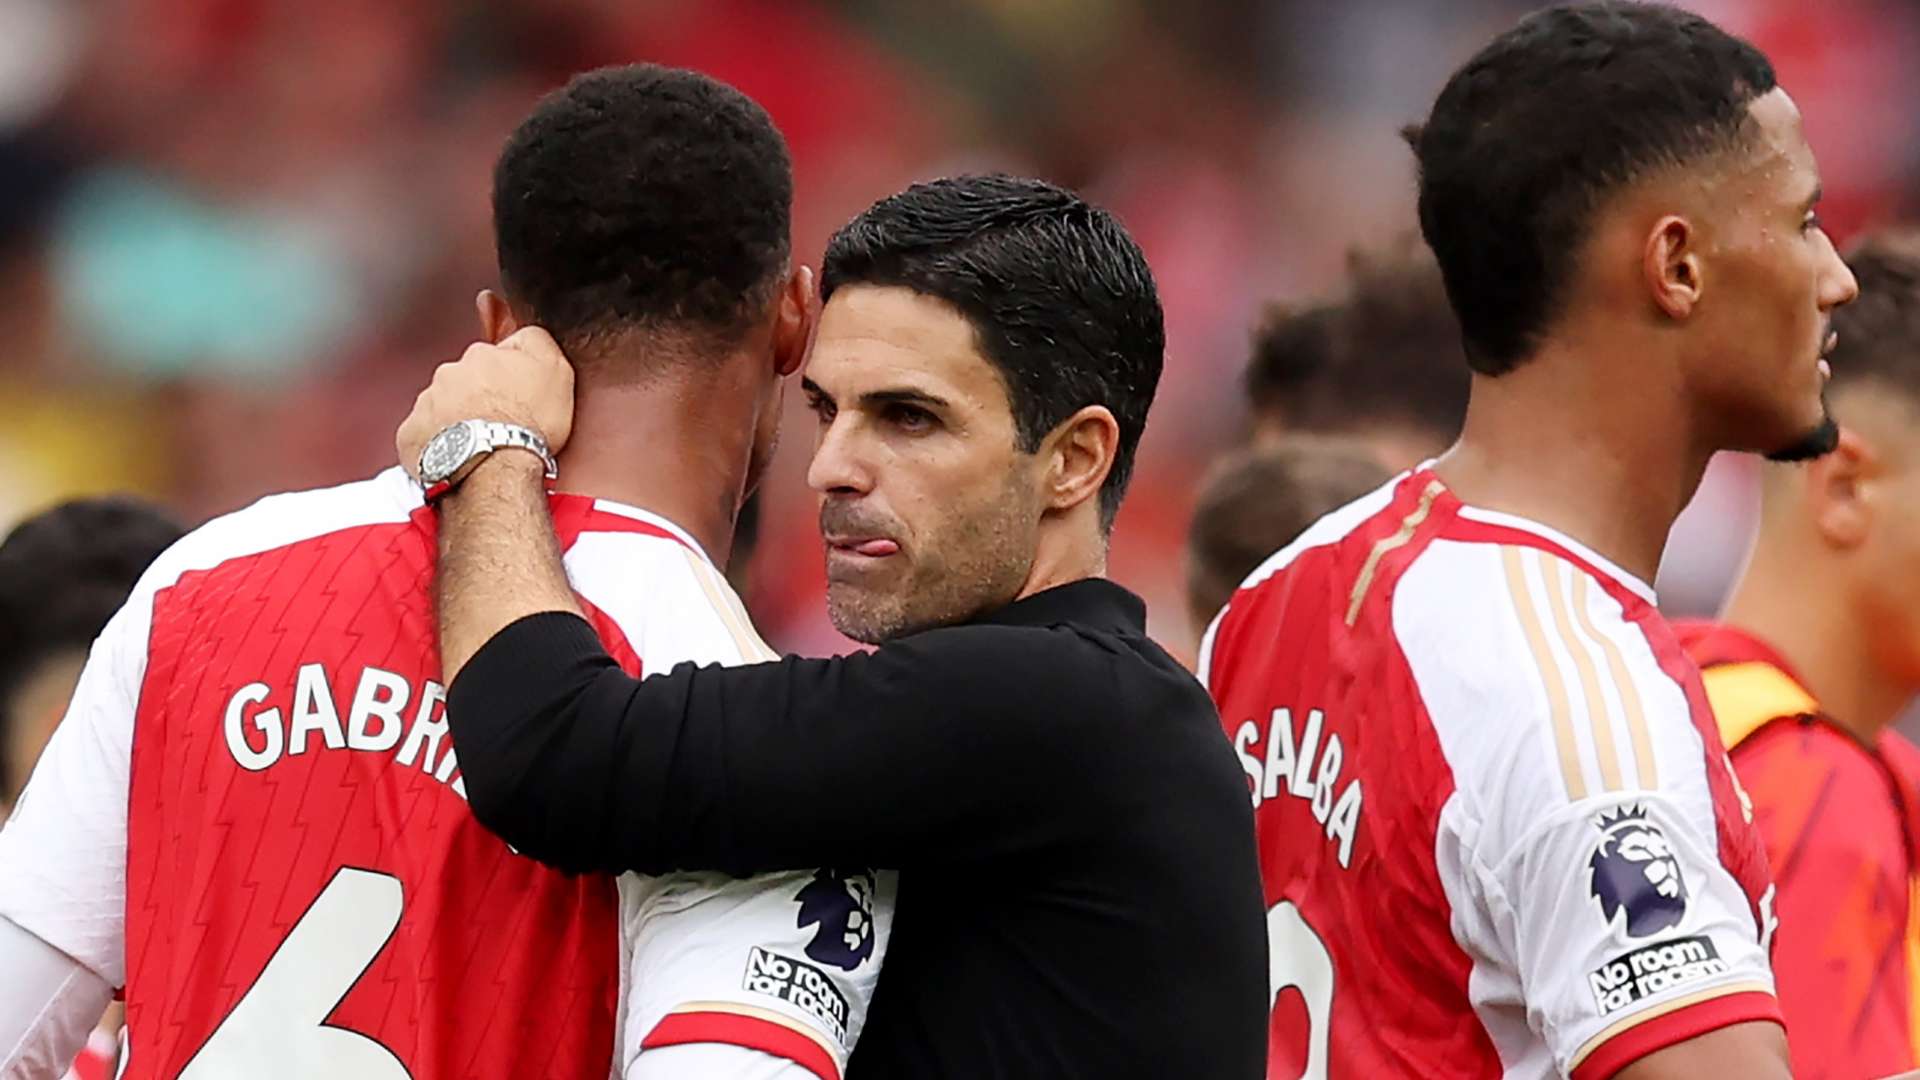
(446, 452)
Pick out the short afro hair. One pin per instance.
(1058, 293)
(644, 197)
(1528, 139)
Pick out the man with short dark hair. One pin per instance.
(1256, 501)
(1492, 801)
(251, 817)
(1816, 656)
(1077, 870)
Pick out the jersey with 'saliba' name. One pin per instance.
(1490, 799)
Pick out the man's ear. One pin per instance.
(1670, 265)
(497, 323)
(1081, 452)
(1841, 491)
(795, 317)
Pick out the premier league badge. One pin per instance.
(1633, 868)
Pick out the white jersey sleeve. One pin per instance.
(1581, 849)
(49, 1004)
(767, 978)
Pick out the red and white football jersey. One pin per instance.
(252, 818)
(1498, 832)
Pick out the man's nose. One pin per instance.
(1840, 287)
(839, 466)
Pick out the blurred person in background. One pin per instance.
(1256, 500)
(1381, 364)
(268, 705)
(1491, 797)
(63, 573)
(1816, 654)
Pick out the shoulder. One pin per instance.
(656, 587)
(1269, 593)
(280, 520)
(1543, 679)
(1330, 530)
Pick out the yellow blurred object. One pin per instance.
(58, 444)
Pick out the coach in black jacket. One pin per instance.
(1079, 890)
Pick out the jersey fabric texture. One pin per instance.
(1498, 833)
(1838, 818)
(252, 818)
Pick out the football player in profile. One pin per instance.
(1491, 799)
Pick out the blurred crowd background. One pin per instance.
(237, 235)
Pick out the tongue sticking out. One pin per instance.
(876, 548)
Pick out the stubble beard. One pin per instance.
(974, 565)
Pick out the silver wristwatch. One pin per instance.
(452, 454)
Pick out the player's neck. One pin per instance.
(1785, 601)
(673, 448)
(1573, 444)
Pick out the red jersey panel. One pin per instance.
(303, 890)
(1838, 820)
(1497, 829)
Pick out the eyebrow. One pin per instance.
(904, 395)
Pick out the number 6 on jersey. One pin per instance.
(279, 1026)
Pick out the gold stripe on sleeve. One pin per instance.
(1558, 705)
(1554, 571)
(1643, 763)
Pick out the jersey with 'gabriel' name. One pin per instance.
(1498, 833)
(252, 819)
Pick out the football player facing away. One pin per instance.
(252, 817)
(1499, 834)
(1817, 654)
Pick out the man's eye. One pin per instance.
(1812, 223)
(910, 418)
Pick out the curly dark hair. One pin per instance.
(1536, 130)
(643, 197)
(1060, 295)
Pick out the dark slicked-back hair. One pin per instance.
(644, 197)
(1879, 333)
(63, 573)
(1057, 291)
(1538, 129)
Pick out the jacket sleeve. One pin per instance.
(952, 741)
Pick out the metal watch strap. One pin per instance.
(495, 435)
